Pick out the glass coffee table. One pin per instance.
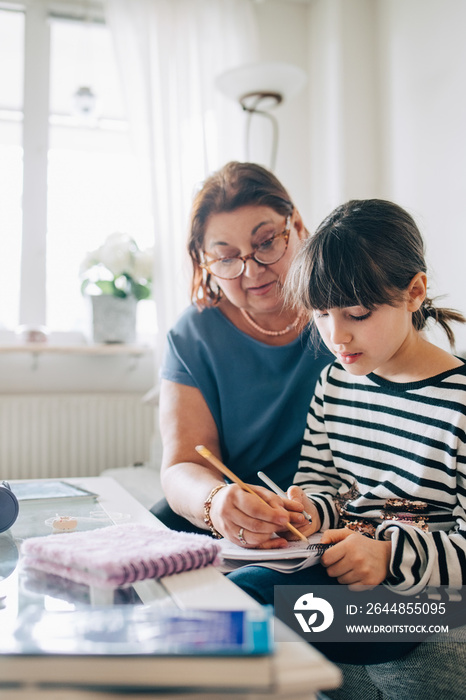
(300, 670)
(43, 516)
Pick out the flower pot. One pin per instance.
(114, 319)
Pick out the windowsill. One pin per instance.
(51, 367)
(97, 349)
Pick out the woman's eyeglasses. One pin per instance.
(267, 253)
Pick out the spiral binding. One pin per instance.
(319, 547)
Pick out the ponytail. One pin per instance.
(440, 315)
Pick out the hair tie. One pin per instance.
(429, 310)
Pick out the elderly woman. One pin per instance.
(239, 370)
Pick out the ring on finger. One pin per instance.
(241, 536)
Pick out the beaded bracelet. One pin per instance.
(207, 507)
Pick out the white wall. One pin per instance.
(283, 36)
(387, 119)
(344, 107)
(425, 98)
(28, 373)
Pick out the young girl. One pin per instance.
(384, 451)
(389, 415)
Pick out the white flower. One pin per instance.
(143, 263)
(117, 253)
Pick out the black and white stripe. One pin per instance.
(395, 440)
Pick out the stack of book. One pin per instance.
(140, 647)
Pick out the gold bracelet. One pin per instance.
(207, 507)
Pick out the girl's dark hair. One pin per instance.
(365, 253)
(233, 186)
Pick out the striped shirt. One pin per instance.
(395, 441)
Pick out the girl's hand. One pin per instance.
(234, 510)
(296, 503)
(356, 560)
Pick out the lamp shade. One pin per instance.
(274, 81)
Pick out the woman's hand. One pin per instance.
(356, 560)
(296, 503)
(234, 510)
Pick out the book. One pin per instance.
(119, 555)
(143, 647)
(294, 557)
(41, 489)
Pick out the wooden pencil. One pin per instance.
(227, 472)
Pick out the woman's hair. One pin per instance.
(233, 186)
(365, 253)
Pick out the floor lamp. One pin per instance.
(259, 88)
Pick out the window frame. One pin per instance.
(35, 141)
(32, 306)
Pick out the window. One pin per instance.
(11, 163)
(93, 183)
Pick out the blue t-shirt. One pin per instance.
(258, 394)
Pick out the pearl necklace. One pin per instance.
(255, 325)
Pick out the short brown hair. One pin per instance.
(233, 186)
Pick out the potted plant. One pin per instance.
(116, 276)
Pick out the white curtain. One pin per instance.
(169, 53)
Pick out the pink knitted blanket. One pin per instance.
(120, 554)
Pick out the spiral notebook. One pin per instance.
(297, 555)
(119, 555)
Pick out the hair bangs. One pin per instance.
(343, 275)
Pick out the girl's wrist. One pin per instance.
(388, 556)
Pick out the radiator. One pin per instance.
(59, 435)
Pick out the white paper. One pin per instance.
(295, 550)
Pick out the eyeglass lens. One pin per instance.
(267, 253)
